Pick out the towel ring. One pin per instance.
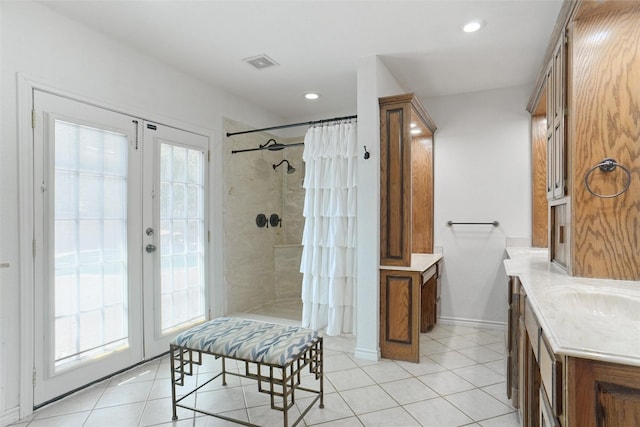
(607, 165)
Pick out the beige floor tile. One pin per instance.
(508, 420)
(446, 382)
(408, 390)
(479, 375)
(385, 372)
(125, 393)
(389, 417)
(121, 415)
(437, 413)
(368, 399)
(452, 359)
(335, 408)
(351, 378)
(76, 419)
(478, 405)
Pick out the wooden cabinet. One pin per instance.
(512, 340)
(408, 306)
(534, 371)
(556, 135)
(602, 394)
(409, 294)
(406, 179)
(588, 93)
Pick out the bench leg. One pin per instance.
(285, 398)
(224, 372)
(321, 367)
(173, 383)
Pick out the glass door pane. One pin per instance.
(90, 249)
(182, 231)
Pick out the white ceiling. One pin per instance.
(318, 44)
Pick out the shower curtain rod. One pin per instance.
(311, 123)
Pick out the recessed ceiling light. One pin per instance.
(472, 27)
(311, 95)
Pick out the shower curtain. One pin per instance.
(329, 238)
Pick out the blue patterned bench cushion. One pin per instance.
(248, 340)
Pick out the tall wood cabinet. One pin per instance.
(588, 93)
(406, 179)
(409, 291)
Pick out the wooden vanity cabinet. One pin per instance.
(408, 307)
(602, 394)
(406, 179)
(534, 372)
(512, 339)
(409, 294)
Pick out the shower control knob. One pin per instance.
(150, 248)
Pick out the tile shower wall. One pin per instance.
(261, 264)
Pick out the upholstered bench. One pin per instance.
(273, 355)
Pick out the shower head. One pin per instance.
(290, 169)
(272, 145)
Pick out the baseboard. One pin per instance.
(364, 354)
(9, 417)
(454, 321)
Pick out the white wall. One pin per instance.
(374, 81)
(62, 54)
(482, 173)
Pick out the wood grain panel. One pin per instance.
(399, 315)
(399, 309)
(606, 123)
(539, 213)
(602, 394)
(588, 8)
(395, 179)
(422, 194)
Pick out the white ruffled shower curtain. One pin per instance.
(329, 239)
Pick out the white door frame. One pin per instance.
(25, 87)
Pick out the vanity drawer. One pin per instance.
(551, 375)
(533, 328)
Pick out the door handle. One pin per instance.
(150, 248)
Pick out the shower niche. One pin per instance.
(409, 271)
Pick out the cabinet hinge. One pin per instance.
(33, 119)
(33, 247)
(208, 236)
(208, 155)
(34, 377)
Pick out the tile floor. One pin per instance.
(458, 382)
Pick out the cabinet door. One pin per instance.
(400, 295)
(558, 82)
(603, 394)
(395, 185)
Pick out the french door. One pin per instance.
(119, 247)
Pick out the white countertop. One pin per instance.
(590, 318)
(419, 262)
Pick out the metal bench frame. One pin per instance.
(278, 381)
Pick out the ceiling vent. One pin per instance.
(261, 61)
